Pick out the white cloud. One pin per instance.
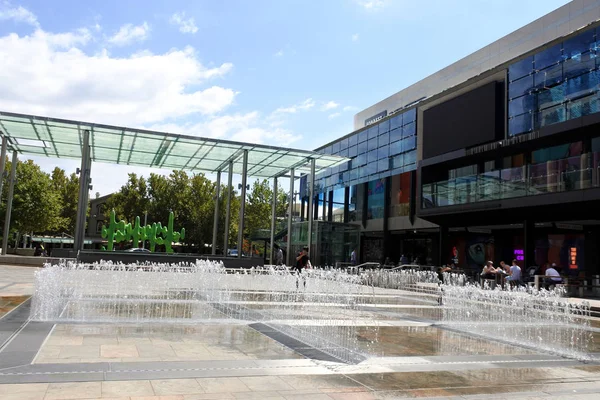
(355, 37)
(279, 53)
(246, 127)
(185, 25)
(330, 105)
(350, 108)
(129, 33)
(303, 106)
(334, 115)
(140, 89)
(371, 4)
(17, 14)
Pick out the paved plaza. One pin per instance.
(233, 359)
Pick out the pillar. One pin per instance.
(330, 207)
(2, 162)
(228, 210)
(11, 192)
(216, 218)
(240, 244)
(443, 252)
(346, 204)
(84, 188)
(273, 217)
(311, 197)
(289, 221)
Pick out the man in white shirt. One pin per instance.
(554, 276)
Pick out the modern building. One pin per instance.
(494, 157)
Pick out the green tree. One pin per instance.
(36, 206)
(131, 201)
(67, 190)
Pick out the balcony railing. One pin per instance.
(574, 173)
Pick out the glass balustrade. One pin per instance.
(574, 173)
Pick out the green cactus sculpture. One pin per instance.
(155, 233)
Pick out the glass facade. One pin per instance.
(380, 150)
(555, 84)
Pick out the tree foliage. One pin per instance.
(36, 204)
(67, 189)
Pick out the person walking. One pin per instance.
(353, 257)
(278, 254)
(302, 261)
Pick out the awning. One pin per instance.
(58, 138)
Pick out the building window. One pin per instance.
(376, 199)
(400, 192)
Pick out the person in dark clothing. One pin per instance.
(302, 261)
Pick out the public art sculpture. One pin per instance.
(118, 232)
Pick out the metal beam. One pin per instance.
(273, 216)
(216, 219)
(289, 221)
(11, 192)
(311, 196)
(228, 209)
(2, 163)
(84, 174)
(240, 244)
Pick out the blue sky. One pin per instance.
(290, 73)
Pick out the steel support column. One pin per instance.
(240, 244)
(11, 192)
(273, 217)
(311, 196)
(216, 219)
(2, 163)
(228, 210)
(289, 221)
(84, 189)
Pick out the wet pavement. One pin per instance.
(409, 356)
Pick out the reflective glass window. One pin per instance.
(384, 126)
(371, 156)
(409, 116)
(373, 144)
(353, 140)
(384, 139)
(579, 44)
(520, 105)
(398, 161)
(396, 134)
(344, 144)
(396, 147)
(376, 199)
(551, 116)
(551, 97)
(396, 121)
(409, 143)
(520, 87)
(579, 64)
(344, 153)
(408, 130)
(383, 152)
(352, 151)
(410, 157)
(520, 68)
(370, 168)
(363, 147)
(373, 132)
(360, 159)
(581, 85)
(520, 124)
(336, 147)
(343, 167)
(549, 76)
(584, 106)
(363, 136)
(548, 57)
(383, 165)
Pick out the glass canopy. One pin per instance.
(58, 138)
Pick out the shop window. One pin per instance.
(400, 195)
(375, 199)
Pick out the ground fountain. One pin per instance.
(322, 308)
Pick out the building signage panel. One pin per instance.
(376, 118)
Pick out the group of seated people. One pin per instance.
(512, 274)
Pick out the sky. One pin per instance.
(289, 73)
